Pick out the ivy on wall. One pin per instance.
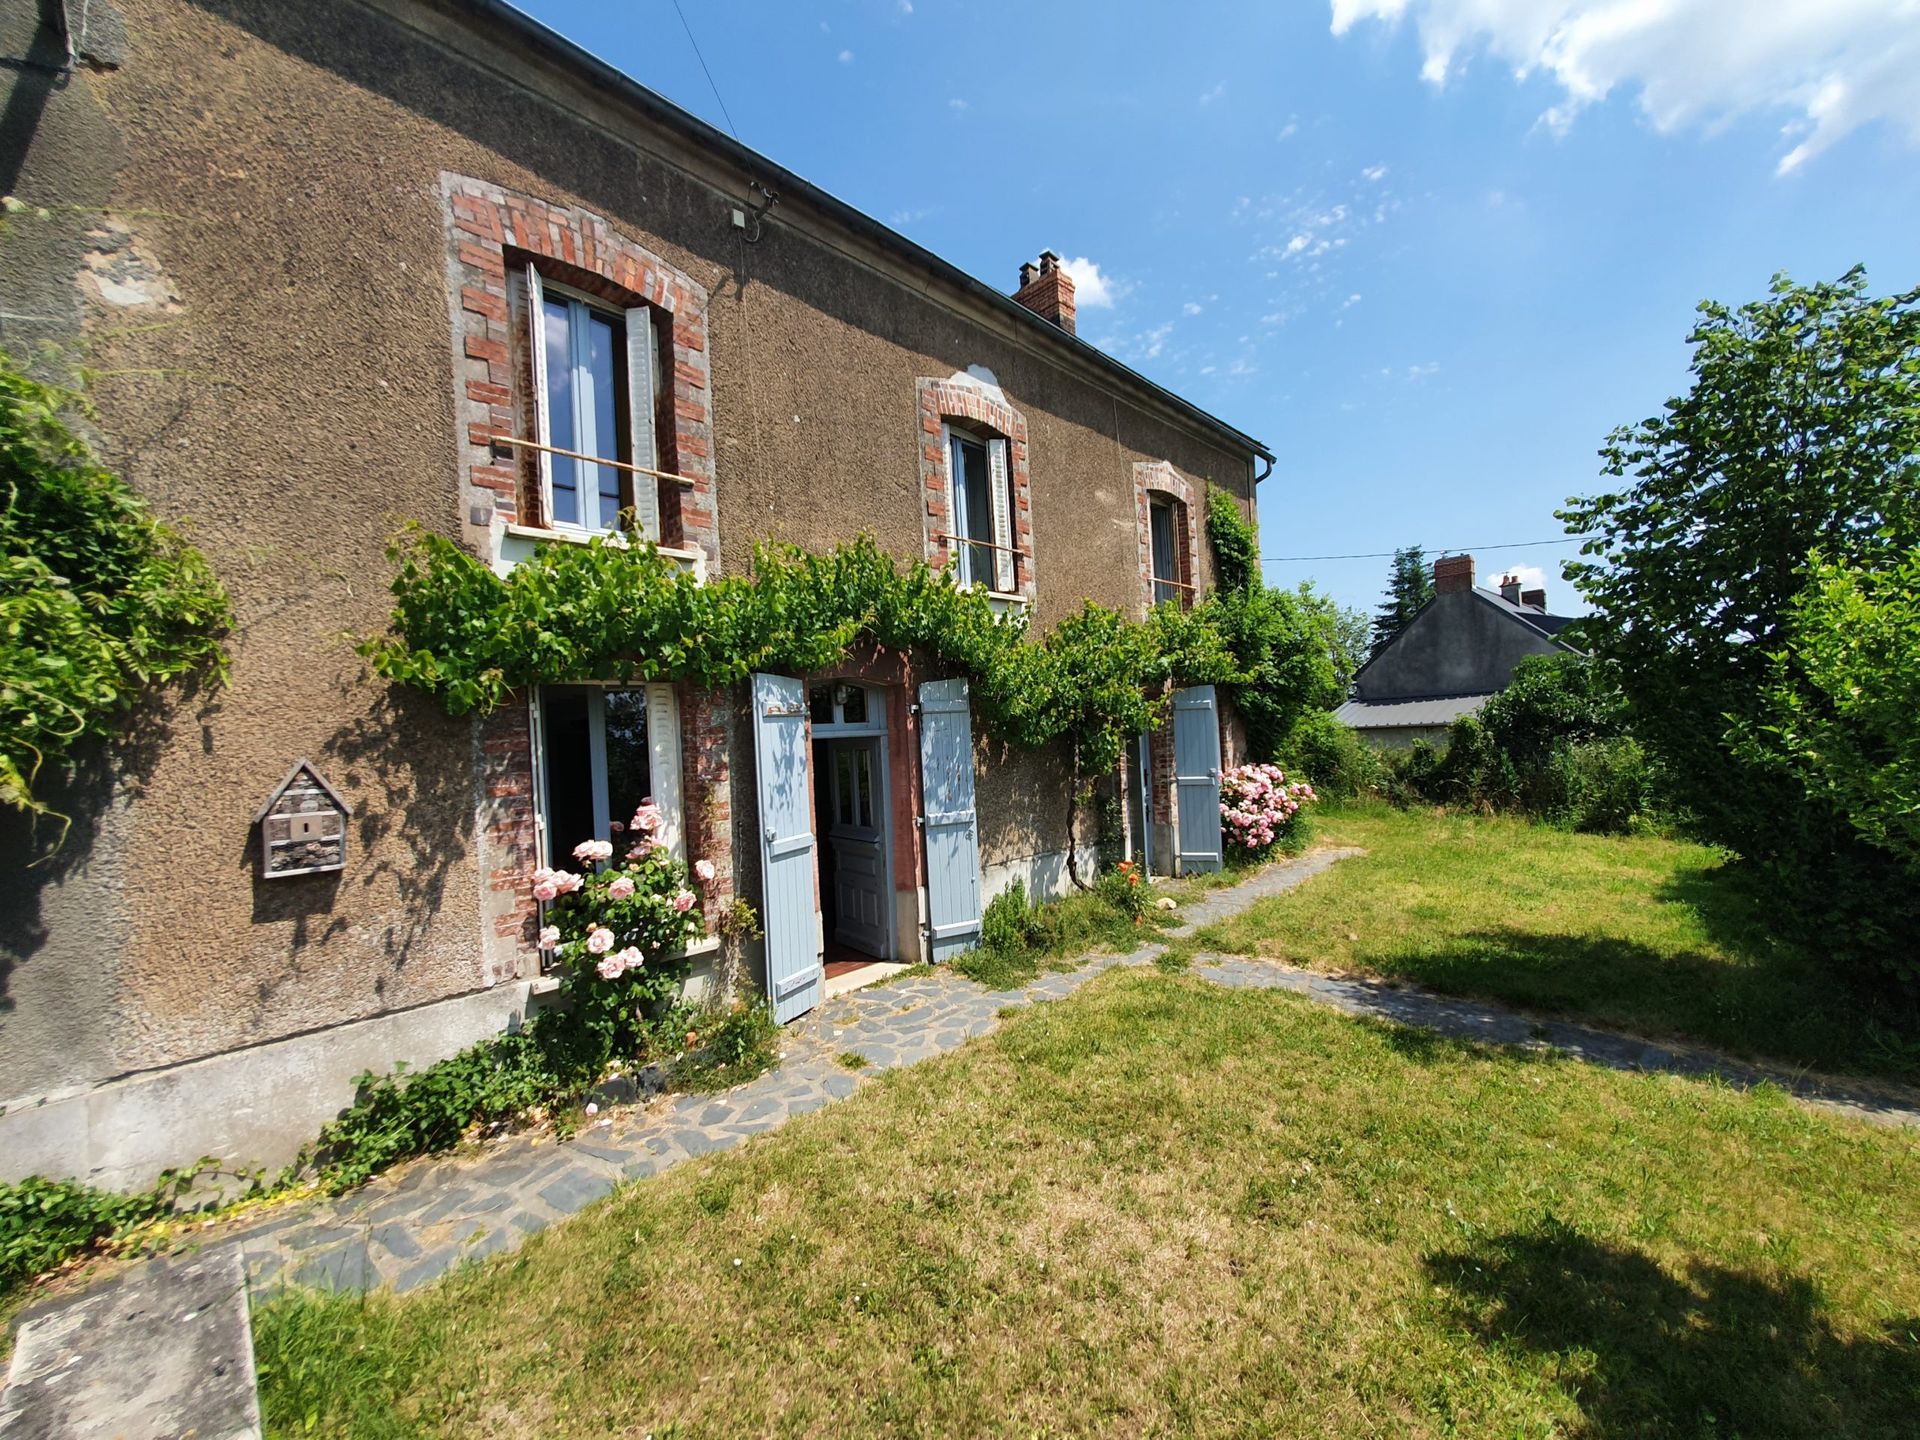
(98, 600)
(621, 612)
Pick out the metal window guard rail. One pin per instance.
(592, 459)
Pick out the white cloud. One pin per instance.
(1288, 130)
(1191, 308)
(1374, 172)
(1350, 302)
(1209, 96)
(1836, 64)
(956, 105)
(1091, 289)
(906, 7)
(846, 57)
(1531, 577)
(1421, 372)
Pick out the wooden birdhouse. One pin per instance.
(303, 826)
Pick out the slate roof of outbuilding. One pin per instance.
(1392, 714)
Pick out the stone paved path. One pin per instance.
(410, 1226)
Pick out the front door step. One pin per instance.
(166, 1352)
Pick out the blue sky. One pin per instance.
(1430, 251)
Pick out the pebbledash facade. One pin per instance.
(360, 264)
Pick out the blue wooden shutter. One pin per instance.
(946, 800)
(640, 395)
(795, 980)
(1196, 778)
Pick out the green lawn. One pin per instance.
(1646, 934)
(1164, 1208)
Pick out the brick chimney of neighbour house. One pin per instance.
(1453, 575)
(1534, 600)
(1047, 290)
(1510, 589)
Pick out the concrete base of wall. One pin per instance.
(247, 1108)
(1045, 875)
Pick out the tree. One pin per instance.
(1345, 632)
(1798, 444)
(1409, 587)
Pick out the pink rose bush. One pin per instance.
(617, 931)
(1261, 810)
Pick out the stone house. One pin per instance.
(1456, 654)
(347, 264)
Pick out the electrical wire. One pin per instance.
(703, 69)
(1455, 550)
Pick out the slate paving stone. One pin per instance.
(528, 1222)
(316, 1235)
(345, 1268)
(453, 1200)
(839, 1086)
(766, 1105)
(397, 1240)
(490, 1243)
(601, 1151)
(716, 1115)
(576, 1189)
(436, 1264)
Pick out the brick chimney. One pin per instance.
(1047, 290)
(1510, 589)
(1453, 575)
(1534, 599)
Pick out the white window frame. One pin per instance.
(663, 763)
(1003, 582)
(637, 332)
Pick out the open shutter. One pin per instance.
(1196, 778)
(663, 764)
(640, 419)
(999, 481)
(796, 981)
(947, 813)
(537, 343)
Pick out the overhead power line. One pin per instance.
(703, 68)
(1451, 550)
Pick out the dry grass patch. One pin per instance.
(1163, 1208)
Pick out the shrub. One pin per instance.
(43, 1222)
(1007, 926)
(729, 1045)
(1122, 888)
(1261, 811)
(1332, 757)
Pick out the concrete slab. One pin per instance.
(166, 1353)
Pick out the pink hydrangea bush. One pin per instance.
(1261, 811)
(616, 929)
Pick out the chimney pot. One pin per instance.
(1510, 589)
(1453, 574)
(1047, 289)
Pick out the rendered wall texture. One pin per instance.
(261, 183)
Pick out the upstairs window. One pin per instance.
(594, 382)
(1165, 525)
(982, 510)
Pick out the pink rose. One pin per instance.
(620, 889)
(683, 901)
(631, 958)
(648, 817)
(545, 892)
(542, 875)
(615, 827)
(609, 968)
(703, 870)
(589, 851)
(599, 940)
(550, 937)
(566, 882)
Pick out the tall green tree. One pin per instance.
(1797, 448)
(1409, 587)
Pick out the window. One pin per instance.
(593, 377)
(1169, 555)
(840, 703)
(981, 510)
(599, 754)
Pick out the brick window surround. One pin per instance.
(973, 404)
(493, 234)
(1157, 477)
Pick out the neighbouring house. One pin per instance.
(346, 264)
(1457, 653)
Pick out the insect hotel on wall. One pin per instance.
(303, 827)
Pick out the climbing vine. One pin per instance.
(621, 612)
(98, 600)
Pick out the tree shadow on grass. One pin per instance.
(1772, 1007)
(1718, 1352)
